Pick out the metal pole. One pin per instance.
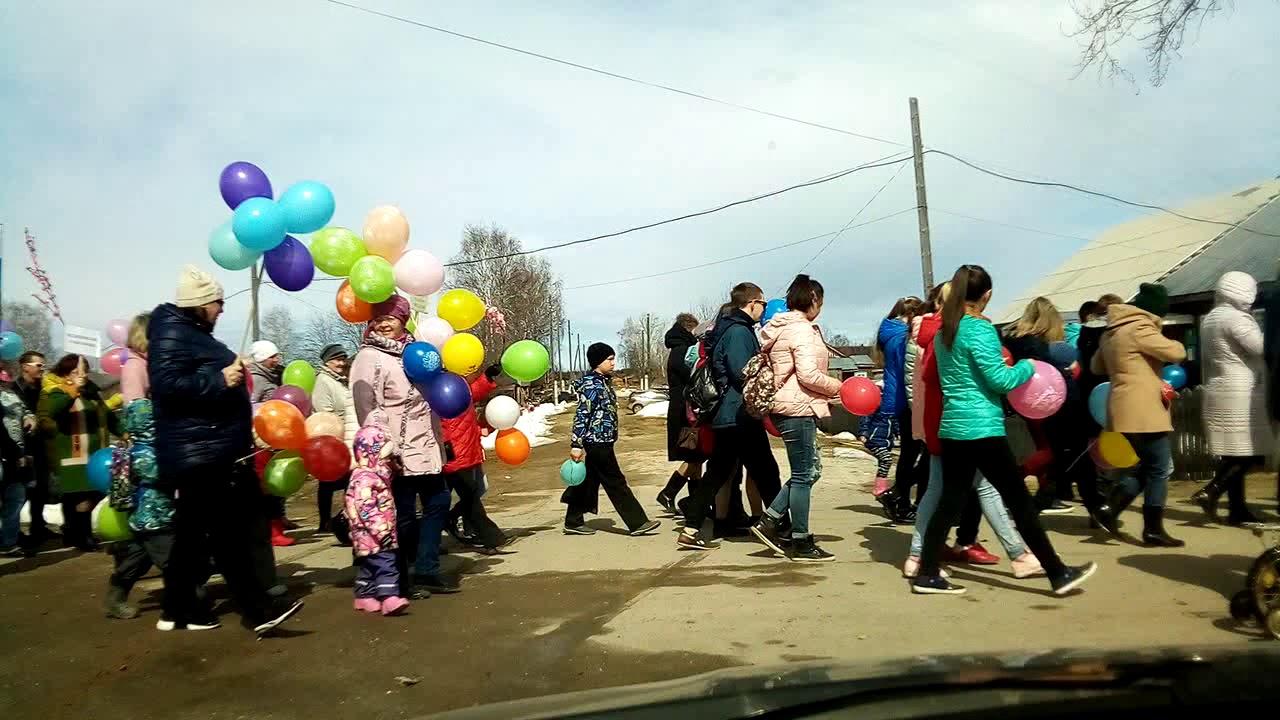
(255, 282)
(922, 202)
(647, 317)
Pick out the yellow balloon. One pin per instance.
(1116, 450)
(461, 309)
(463, 354)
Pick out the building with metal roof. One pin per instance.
(1188, 256)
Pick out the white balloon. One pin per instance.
(433, 330)
(502, 412)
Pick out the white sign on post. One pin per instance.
(82, 341)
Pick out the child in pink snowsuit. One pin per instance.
(371, 511)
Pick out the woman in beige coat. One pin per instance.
(798, 356)
(1235, 400)
(1132, 352)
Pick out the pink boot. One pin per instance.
(368, 605)
(394, 605)
(882, 485)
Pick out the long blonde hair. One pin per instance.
(138, 333)
(1040, 319)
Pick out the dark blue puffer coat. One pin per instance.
(198, 419)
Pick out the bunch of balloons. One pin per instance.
(306, 443)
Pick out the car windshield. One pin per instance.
(380, 358)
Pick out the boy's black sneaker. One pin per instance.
(1072, 578)
(579, 530)
(935, 585)
(648, 527)
(282, 612)
(438, 584)
(806, 550)
(766, 531)
(165, 624)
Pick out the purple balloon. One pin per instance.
(289, 265)
(448, 395)
(295, 396)
(5, 326)
(241, 181)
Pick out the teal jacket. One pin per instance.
(973, 377)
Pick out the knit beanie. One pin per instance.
(598, 353)
(196, 287)
(332, 351)
(1153, 298)
(263, 349)
(397, 306)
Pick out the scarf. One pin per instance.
(340, 378)
(391, 347)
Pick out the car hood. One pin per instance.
(758, 690)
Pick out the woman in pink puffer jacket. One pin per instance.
(798, 356)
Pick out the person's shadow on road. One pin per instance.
(1223, 574)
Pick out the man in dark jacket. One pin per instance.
(738, 436)
(678, 341)
(30, 374)
(204, 450)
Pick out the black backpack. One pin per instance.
(701, 395)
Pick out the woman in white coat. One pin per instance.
(1235, 400)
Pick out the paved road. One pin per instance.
(565, 613)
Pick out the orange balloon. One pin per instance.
(281, 425)
(512, 446)
(351, 308)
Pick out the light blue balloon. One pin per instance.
(573, 473)
(1098, 403)
(11, 346)
(227, 251)
(1175, 376)
(99, 470)
(258, 224)
(773, 307)
(307, 206)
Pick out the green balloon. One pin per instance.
(372, 279)
(335, 250)
(525, 361)
(284, 473)
(113, 525)
(300, 374)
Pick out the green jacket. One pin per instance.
(74, 426)
(973, 377)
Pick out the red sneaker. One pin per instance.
(975, 554)
(954, 553)
(278, 538)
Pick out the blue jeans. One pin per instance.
(992, 508)
(419, 540)
(800, 434)
(12, 498)
(1155, 465)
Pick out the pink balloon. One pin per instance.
(113, 360)
(1042, 395)
(418, 272)
(295, 396)
(386, 233)
(434, 330)
(118, 331)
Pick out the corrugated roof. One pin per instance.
(1236, 249)
(1144, 250)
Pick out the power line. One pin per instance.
(616, 76)
(989, 221)
(1098, 193)
(743, 256)
(854, 219)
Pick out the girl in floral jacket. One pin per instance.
(371, 511)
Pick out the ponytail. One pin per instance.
(968, 285)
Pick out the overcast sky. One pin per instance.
(116, 118)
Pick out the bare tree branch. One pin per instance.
(32, 325)
(1158, 26)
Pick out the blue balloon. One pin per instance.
(1175, 376)
(448, 395)
(258, 224)
(227, 251)
(1098, 403)
(307, 206)
(99, 470)
(289, 265)
(422, 362)
(773, 307)
(11, 346)
(1062, 354)
(573, 473)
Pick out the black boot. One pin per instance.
(1153, 533)
(1238, 512)
(667, 498)
(1207, 496)
(1108, 514)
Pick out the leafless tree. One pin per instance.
(838, 339)
(1158, 26)
(279, 327)
(31, 322)
(320, 331)
(522, 287)
(633, 352)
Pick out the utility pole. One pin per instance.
(922, 202)
(255, 282)
(647, 317)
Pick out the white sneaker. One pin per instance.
(911, 568)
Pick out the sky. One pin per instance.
(116, 118)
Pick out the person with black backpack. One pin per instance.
(738, 435)
(682, 436)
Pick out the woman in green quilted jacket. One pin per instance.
(974, 376)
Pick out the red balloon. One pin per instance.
(860, 396)
(1008, 356)
(1167, 393)
(326, 458)
(113, 360)
(770, 428)
(295, 396)
(1075, 370)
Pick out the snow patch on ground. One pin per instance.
(535, 424)
(658, 409)
(845, 436)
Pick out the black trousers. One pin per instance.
(468, 483)
(76, 524)
(219, 513)
(324, 498)
(970, 518)
(993, 458)
(38, 496)
(1072, 465)
(748, 443)
(137, 556)
(913, 460)
(1230, 477)
(602, 472)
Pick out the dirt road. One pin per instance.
(564, 613)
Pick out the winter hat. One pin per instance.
(1237, 288)
(196, 287)
(332, 351)
(397, 306)
(1153, 298)
(598, 353)
(263, 349)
